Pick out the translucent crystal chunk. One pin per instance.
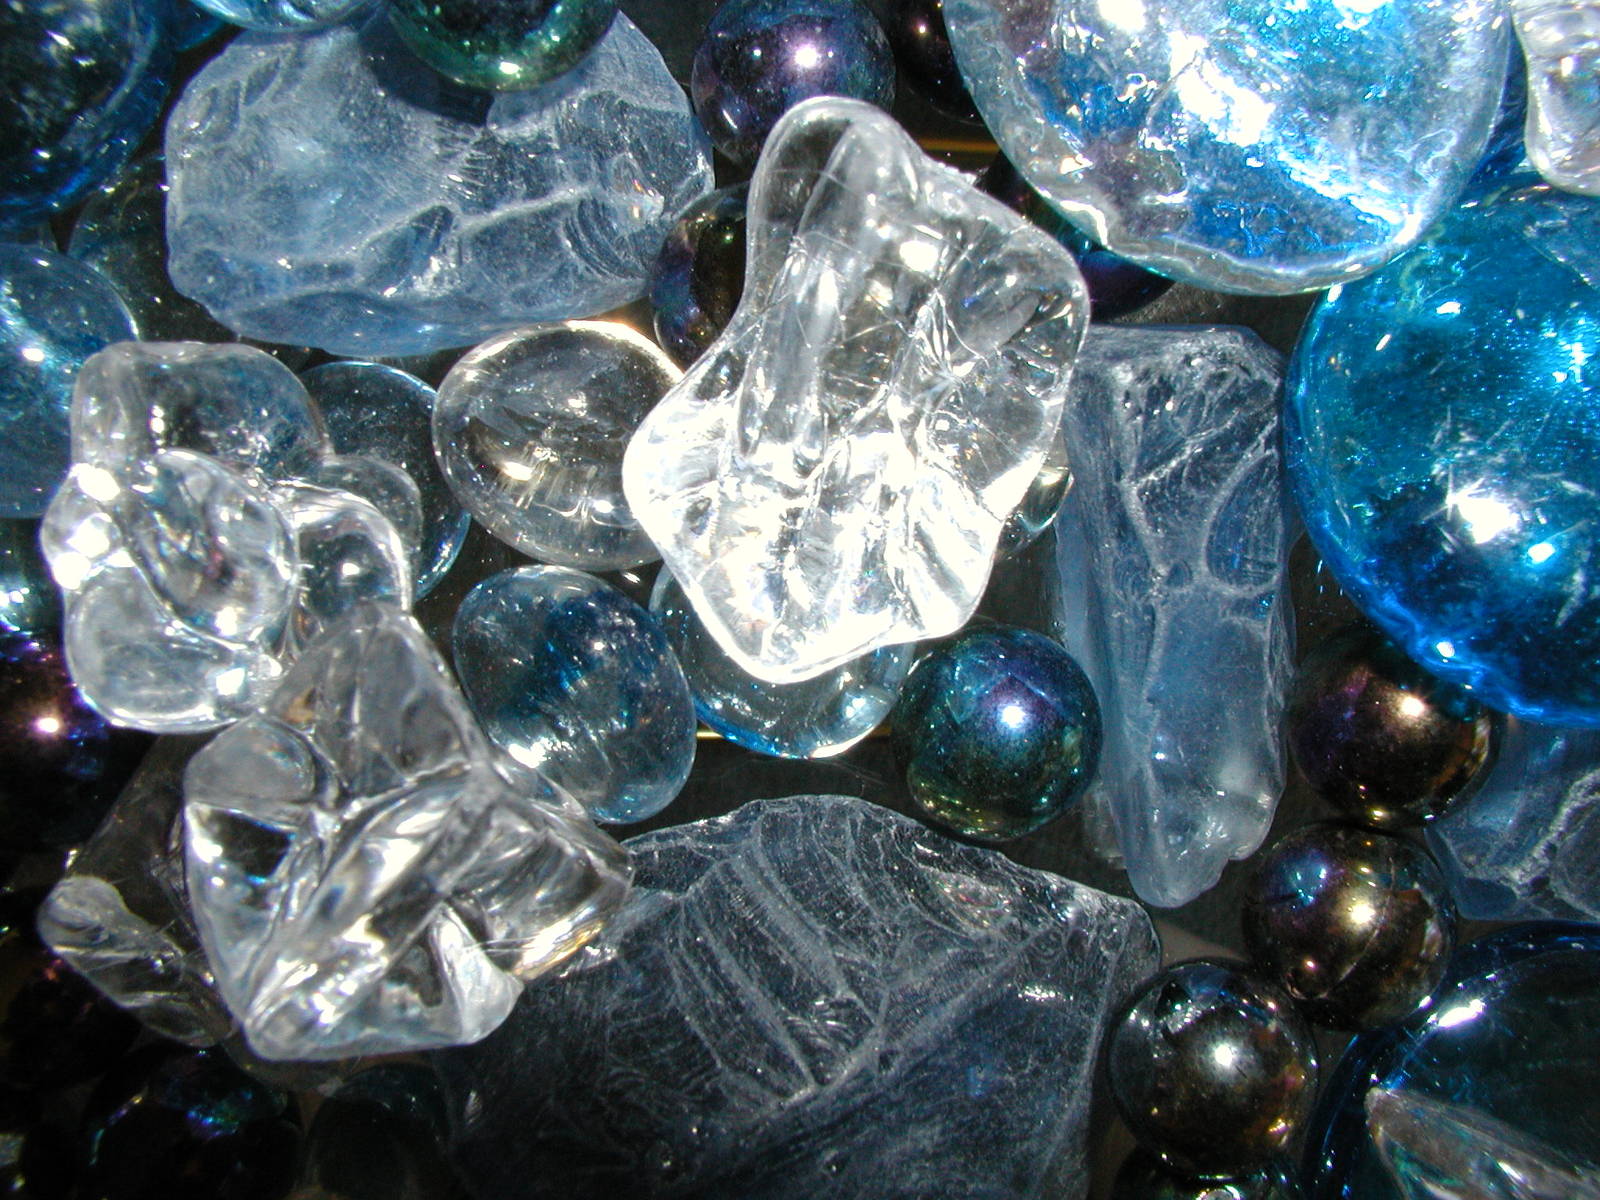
(364, 877)
(833, 474)
(1561, 43)
(1241, 145)
(812, 997)
(1173, 550)
(325, 191)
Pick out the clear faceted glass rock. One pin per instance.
(1561, 43)
(325, 191)
(365, 878)
(1173, 550)
(1257, 146)
(833, 474)
(811, 997)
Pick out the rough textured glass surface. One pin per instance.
(1509, 1043)
(503, 45)
(284, 16)
(120, 914)
(1525, 845)
(81, 83)
(54, 313)
(810, 997)
(815, 718)
(387, 414)
(1561, 43)
(575, 681)
(364, 877)
(1257, 146)
(1443, 432)
(833, 474)
(530, 429)
(326, 192)
(1173, 550)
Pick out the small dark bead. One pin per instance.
(699, 278)
(921, 44)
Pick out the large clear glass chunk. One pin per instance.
(834, 473)
(1561, 43)
(365, 878)
(1173, 549)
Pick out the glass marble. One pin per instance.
(921, 46)
(386, 413)
(815, 718)
(81, 84)
(578, 683)
(1143, 1176)
(190, 25)
(1254, 146)
(530, 429)
(759, 58)
(54, 313)
(285, 16)
(1561, 45)
(699, 277)
(998, 732)
(502, 45)
(1443, 443)
(1511, 1038)
(29, 599)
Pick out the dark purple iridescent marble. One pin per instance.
(760, 58)
(922, 47)
(1117, 287)
(699, 277)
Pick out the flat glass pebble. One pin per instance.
(1254, 146)
(81, 83)
(1561, 44)
(815, 718)
(578, 683)
(54, 313)
(699, 277)
(1444, 446)
(386, 413)
(530, 429)
(502, 45)
(285, 16)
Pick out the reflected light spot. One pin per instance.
(1411, 706)
(1460, 1014)
(1013, 716)
(47, 725)
(1540, 552)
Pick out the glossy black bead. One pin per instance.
(1379, 738)
(1355, 924)
(1143, 1176)
(921, 45)
(699, 277)
(1212, 1068)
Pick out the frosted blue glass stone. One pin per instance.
(815, 718)
(54, 313)
(387, 414)
(1256, 146)
(1442, 423)
(284, 16)
(578, 683)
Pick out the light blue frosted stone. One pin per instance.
(284, 16)
(1258, 146)
(1442, 421)
(577, 683)
(1526, 843)
(327, 191)
(54, 313)
(815, 718)
(385, 413)
(1173, 548)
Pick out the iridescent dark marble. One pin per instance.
(61, 763)
(56, 1030)
(81, 83)
(922, 48)
(502, 45)
(1143, 1176)
(1379, 738)
(30, 602)
(699, 277)
(172, 1122)
(1212, 1068)
(760, 58)
(1117, 287)
(998, 732)
(1356, 925)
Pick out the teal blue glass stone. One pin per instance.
(1442, 422)
(502, 45)
(54, 313)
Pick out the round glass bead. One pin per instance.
(502, 45)
(29, 599)
(285, 16)
(1143, 1176)
(922, 48)
(530, 429)
(699, 278)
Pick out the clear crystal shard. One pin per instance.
(1173, 550)
(364, 877)
(812, 997)
(1561, 44)
(327, 191)
(834, 473)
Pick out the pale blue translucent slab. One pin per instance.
(1173, 549)
(327, 191)
(1256, 146)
